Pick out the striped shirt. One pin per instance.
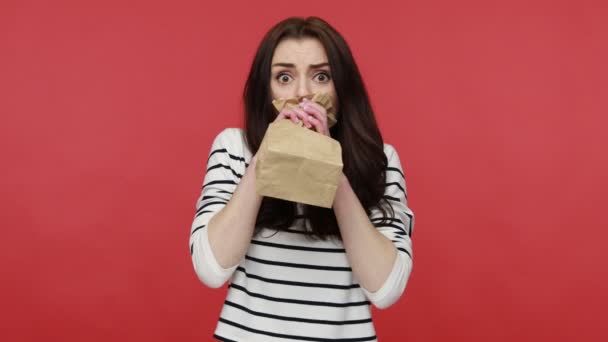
(288, 286)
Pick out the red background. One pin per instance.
(497, 109)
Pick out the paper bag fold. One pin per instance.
(321, 98)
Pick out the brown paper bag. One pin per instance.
(321, 98)
(297, 164)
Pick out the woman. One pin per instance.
(300, 272)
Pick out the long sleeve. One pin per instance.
(398, 229)
(220, 181)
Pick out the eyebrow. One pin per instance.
(291, 65)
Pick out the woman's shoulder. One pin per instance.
(392, 156)
(233, 139)
(230, 134)
(389, 150)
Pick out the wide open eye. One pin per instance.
(323, 77)
(283, 77)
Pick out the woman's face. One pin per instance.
(300, 67)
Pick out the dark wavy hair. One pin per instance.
(357, 131)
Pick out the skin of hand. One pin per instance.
(312, 114)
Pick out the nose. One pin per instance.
(303, 87)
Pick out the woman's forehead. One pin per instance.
(299, 51)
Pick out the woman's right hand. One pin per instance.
(295, 115)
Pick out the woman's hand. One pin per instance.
(287, 113)
(315, 115)
(312, 115)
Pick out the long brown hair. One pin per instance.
(357, 131)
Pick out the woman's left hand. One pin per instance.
(314, 114)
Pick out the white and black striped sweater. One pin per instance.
(289, 287)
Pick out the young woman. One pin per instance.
(300, 272)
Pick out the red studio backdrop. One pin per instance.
(498, 110)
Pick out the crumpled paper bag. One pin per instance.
(297, 164)
(321, 98)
